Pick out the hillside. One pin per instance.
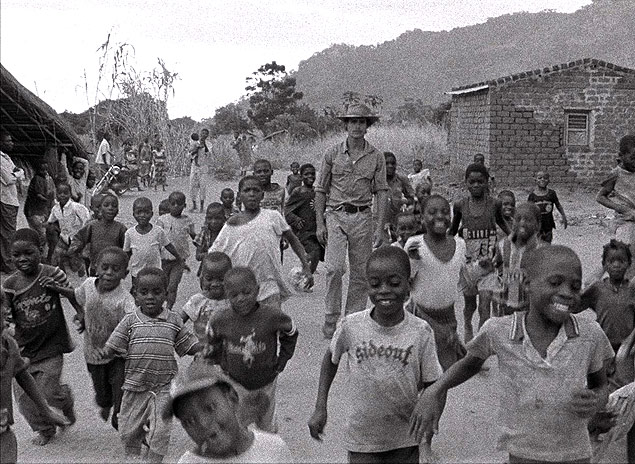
(423, 65)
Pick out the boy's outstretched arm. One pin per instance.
(27, 383)
(287, 337)
(561, 211)
(427, 412)
(603, 197)
(456, 219)
(318, 418)
(300, 252)
(64, 290)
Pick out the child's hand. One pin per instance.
(280, 365)
(317, 422)
(80, 325)
(584, 403)
(308, 276)
(48, 282)
(602, 422)
(424, 419)
(564, 222)
(299, 224)
(53, 417)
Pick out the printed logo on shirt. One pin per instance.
(248, 348)
(31, 309)
(479, 243)
(369, 350)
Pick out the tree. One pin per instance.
(271, 93)
(228, 119)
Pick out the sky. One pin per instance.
(213, 45)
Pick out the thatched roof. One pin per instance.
(33, 125)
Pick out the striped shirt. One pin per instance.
(148, 345)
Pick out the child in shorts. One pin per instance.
(200, 307)
(551, 362)
(252, 342)
(227, 198)
(148, 338)
(208, 408)
(388, 350)
(40, 330)
(295, 178)
(477, 216)
(546, 199)
(179, 229)
(214, 222)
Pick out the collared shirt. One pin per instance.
(9, 188)
(103, 153)
(71, 218)
(345, 179)
(149, 345)
(535, 415)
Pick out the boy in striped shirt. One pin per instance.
(148, 338)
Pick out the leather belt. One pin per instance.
(351, 209)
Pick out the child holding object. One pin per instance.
(551, 362)
(390, 357)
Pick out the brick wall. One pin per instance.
(469, 126)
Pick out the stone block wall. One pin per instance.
(469, 126)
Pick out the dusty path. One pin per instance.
(468, 428)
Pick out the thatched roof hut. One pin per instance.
(34, 126)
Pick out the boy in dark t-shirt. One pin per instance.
(252, 343)
(546, 198)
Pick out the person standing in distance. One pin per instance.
(103, 158)
(10, 177)
(350, 174)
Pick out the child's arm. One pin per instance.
(63, 289)
(560, 210)
(319, 416)
(300, 252)
(588, 401)
(27, 383)
(456, 219)
(176, 254)
(427, 412)
(79, 241)
(287, 337)
(191, 231)
(603, 198)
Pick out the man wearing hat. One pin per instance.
(350, 174)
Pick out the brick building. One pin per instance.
(566, 119)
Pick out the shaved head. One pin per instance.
(544, 258)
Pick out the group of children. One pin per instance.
(403, 353)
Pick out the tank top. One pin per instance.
(479, 232)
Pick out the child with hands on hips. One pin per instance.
(552, 367)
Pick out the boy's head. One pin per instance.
(388, 275)
(307, 171)
(112, 267)
(78, 169)
(422, 192)
(476, 178)
(151, 291)
(436, 215)
(142, 210)
(213, 269)
(616, 259)
(417, 166)
(109, 207)
(542, 179)
(208, 408)
(479, 158)
(63, 193)
(263, 171)
(26, 251)
(526, 221)
(215, 217)
(627, 152)
(177, 203)
(295, 167)
(406, 225)
(553, 278)
(95, 205)
(391, 164)
(194, 136)
(251, 192)
(227, 197)
(508, 203)
(41, 167)
(241, 289)
(204, 134)
(164, 207)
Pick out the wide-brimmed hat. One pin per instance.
(359, 110)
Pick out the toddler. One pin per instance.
(295, 178)
(546, 199)
(214, 222)
(227, 200)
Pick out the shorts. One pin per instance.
(409, 454)
(469, 277)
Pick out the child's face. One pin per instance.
(63, 194)
(26, 257)
(142, 214)
(436, 216)
(391, 166)
(628, 160)
(417, 166)
(215, 220)
(308, 177)
(109, 208)
(95, 206)
(78, 170)
(406, 227)
(150, 294)
(251, 195)
(422, 192)
(388, 286)
(177, 206)
(616, 263)
(508, 206)
(227, 198)
(210, 418)
(476, 184)
(242, 294)
(263, 172)
(295, 168)
(525, 224)
(554, 289)
(213, 279)
(542, 179)
(111, 269)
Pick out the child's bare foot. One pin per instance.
(42, 438)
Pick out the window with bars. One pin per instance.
(577, 129)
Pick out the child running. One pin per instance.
(200, 307)
(552, 367)
(300, 214)
(251, 239)
(144, 242)
(274, 194)
(40, 330)
(546, 199)
(179, 229)
(214, 221)
(99, 234)
(390, 357)
(148, 338)
(208, 408)
(436, 260)
(252, 342)
(294, 179)
(477, 216)
(227, 198)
